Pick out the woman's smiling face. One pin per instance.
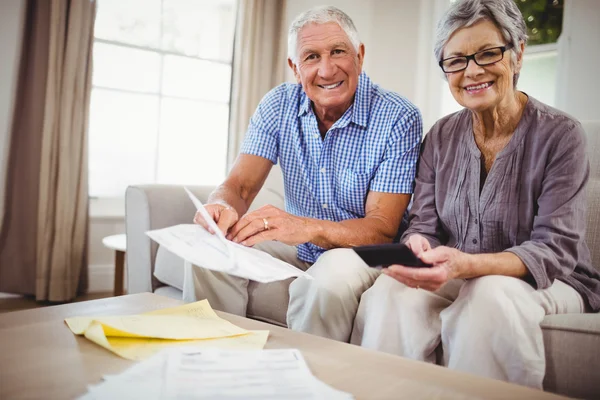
(480, 88)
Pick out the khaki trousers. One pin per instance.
(324, 306)
(488, 326)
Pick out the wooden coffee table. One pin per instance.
(41, 358)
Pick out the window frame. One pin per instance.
(109, 207)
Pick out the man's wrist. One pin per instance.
(314, 230)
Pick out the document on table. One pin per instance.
(189, 373)
(266, 374)
(195, 244)
(137, 337)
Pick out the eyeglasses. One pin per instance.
(481, 58)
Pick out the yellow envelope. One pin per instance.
(137, 337)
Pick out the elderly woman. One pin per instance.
(499, 213)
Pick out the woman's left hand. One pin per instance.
(447, 263)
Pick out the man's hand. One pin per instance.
(281, 226)
(447, 264)
(224, 216)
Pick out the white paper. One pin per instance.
(222, 374)
(144, 380)
(191, 373)
(195, 244)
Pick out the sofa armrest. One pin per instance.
(149, 207)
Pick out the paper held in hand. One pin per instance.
(195, 244)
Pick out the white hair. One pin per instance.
(320, 15)
(503, 13)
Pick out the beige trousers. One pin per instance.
(488, 326)
(324, 306)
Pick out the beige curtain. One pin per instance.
(259, 62)
(43, 242)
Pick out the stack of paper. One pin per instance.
(189, 373)
(137, 337)
(195, 244)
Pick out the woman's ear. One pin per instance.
(519, 63)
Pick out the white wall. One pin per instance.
(578, 87)
(11, 26)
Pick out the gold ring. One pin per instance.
(266, 224)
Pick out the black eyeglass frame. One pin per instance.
(472, 57)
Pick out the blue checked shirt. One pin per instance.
(374, 146)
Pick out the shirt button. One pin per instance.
(474, 241)
(323, 170)
(324, 205)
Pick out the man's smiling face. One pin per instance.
(328, 67)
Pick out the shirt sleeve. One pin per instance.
(559, 224)
(396, 173)
(262, 137)
(423, 217)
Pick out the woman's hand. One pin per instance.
(447, 264)
(418, 244)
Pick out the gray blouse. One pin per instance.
(532, 204)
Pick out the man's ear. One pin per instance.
(294, 70)
(361, 55)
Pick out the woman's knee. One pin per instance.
(389, 293)
(490, 298)
(494, 289)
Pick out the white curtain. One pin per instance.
(259, 63)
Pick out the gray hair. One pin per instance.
(320, 15)
(503, 13)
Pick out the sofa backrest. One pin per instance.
(592, 129)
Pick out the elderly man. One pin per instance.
(347, 149)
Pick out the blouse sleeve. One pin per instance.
(559, 223)
(423, 217)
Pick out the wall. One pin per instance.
(11, 27)
(577, 82)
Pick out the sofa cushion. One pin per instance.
(168, 268)
(592, 130)
(592, 235)
(268, 302)
(572, 346)
(169, 291)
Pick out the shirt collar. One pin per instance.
(360, 107)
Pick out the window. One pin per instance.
(161, 82)
(544, 25)
(538, 74)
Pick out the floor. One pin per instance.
(12, 302)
